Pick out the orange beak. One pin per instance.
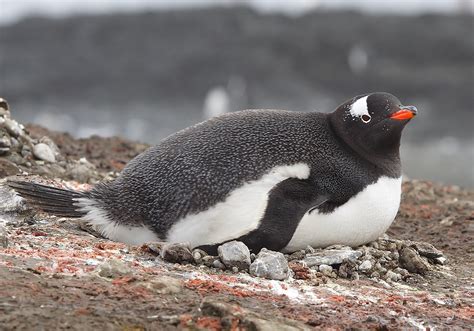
(405, 113)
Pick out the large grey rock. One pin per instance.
(413, 262)
(234, 254)
(270, 265)
(177, 253)
(331, 257)
(44, 152)
(48, 141)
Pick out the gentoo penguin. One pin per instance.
(269, 178)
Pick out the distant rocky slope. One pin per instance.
(159, 61)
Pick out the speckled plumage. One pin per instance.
(198, 167)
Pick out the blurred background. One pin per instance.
(144, 69)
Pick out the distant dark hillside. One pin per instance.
(166, 58)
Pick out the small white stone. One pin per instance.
(365, 266)
(234, 254)
(44, 152)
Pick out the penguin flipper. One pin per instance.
(288, 201)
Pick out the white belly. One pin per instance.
(362, 219)
(238, 214)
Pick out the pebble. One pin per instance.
(401, 271)
(309, 249)
(331, 257)
(44, 152)
(5, 142)
(13, 127)
(365, 266)
(440, 260)
(113, 269)
(5, 145)
(48, 141)
(92, 262)
(218, 264)
(412, 261)
(375, 274)
(392, 276)
(198, 255)
(176, 253)
(270, 265)
(80, 172)
(234, 254)
(325, 269)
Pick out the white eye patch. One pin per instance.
(359, 108)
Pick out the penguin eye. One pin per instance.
(366, 118)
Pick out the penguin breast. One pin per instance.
(362, 219)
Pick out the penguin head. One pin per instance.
(372, 123)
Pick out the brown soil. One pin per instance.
(50, 274)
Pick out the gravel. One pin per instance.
(385, 259)
(234, 254)
(269, 264)
(331, 257)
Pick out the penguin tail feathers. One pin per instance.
(52, 200)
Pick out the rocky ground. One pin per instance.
(56, 273)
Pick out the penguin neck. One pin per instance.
(386, 159)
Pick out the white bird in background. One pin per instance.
(216, 103)
(358, 59)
